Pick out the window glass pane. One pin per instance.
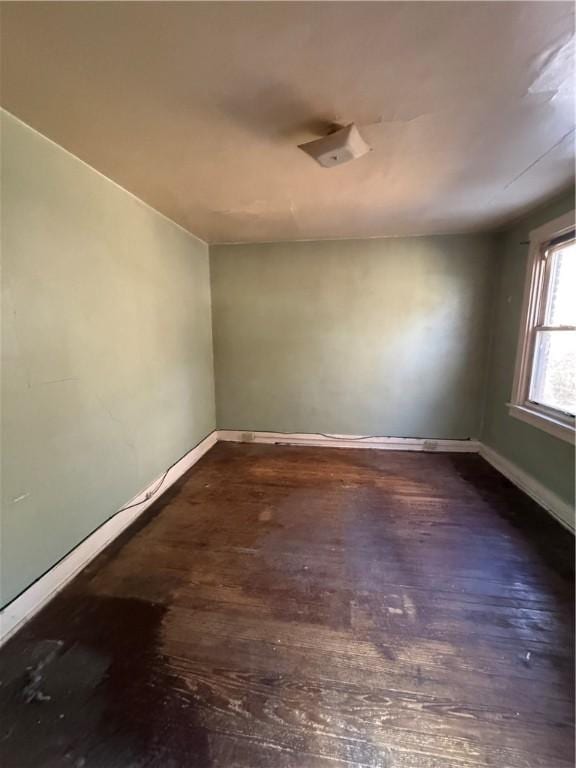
(561, 302)
(554, 370)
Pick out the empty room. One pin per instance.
(288, 384)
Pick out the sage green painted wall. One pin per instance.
(107, 350)
(371, 337)
(544, 457)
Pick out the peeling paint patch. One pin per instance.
(554, 67)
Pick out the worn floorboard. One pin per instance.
(308, 608)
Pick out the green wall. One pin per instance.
(106, 350)
(548, 459)
(373, 337)
(107, 363)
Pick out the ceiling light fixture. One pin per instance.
(343, 144)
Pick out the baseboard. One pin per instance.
(556, 506)
(542, 495)
(349, 441)
(20, 610)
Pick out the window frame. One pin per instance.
(550, 420)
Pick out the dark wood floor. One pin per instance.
(310, 608)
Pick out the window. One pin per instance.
(544, 392)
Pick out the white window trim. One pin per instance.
(520, 407)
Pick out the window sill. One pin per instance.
(542, 421)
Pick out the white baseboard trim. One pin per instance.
(20, 610)
(542, 495)
(349, 441)
(552, 503)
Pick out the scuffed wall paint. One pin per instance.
(107, 370)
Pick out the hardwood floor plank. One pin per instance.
(357, 710)
(308, 608)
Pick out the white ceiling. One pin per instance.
(197, 108)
